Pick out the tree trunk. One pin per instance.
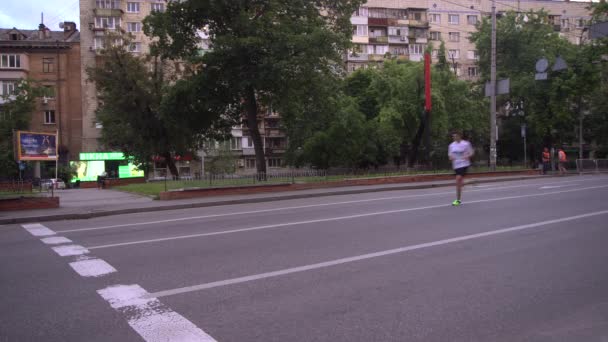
(416, 142)
(251, 106)
(171, 165)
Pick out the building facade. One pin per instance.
(51, 60)
(402, 29)
(97, 17)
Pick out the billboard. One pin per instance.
(36, 146)
(88, 170)
(129, 171)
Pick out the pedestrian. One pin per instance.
(546, 160)
(562, 161)
(460, 152)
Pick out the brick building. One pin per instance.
(51, 59)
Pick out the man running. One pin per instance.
(460, 153)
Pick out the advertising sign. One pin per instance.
(88, 170)
(36, 146)
(102, 156)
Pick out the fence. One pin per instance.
(592, 165)
(296, 176)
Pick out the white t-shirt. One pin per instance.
(459, 151)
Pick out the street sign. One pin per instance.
(502, 87)
(523, 130)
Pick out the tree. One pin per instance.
(15, 114)
(263, 51)
(552, 105)
(137, 106)
(378, 116)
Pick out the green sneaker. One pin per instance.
(456, 203)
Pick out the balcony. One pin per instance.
(275, 150)
(377, 21)
(108, 12)
(360, 39)
(376, 58)
(358, 20)
(418, 23)
(397, 39)
(248, 151)
(378, 40)
(357, 57)
(274, 132)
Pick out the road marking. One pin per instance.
(120, 244)
(288, 208)
(150, 318)
(555, 186)
(92, 267)
(37, 229)
(70, 250)
(55, 240)
(365, 256)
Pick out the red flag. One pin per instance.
(427, 82)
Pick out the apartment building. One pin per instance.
(51, 59)
(98, 17)
(402, 28)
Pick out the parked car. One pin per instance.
(56, 183)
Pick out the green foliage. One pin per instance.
(224, 161)
(15, 114)
(552, 107)
(139, 111)
(264, 53)
(378, 112)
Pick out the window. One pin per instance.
(398, 51)
(47, 64)
(377, 49)
(133, 7)
(416, 16)
(580, 23)
(454, 54)
(472, 72)
(49, 117)
(10, 61)
(250, 163)
(8, 88)
(416, 49)
(98, 43)
(98, 125)
(249, 141)
(435, 35)
(158, 7)
(454, 36)
(435, 53)
(274, 162)
(135, 47)
(107, 4)
(471, 19)
(393, 31)
(360, 12)
(107, 22)
(565, 23)
(472, 54)
(360, 30)
(435, 18)
(48, 92)
(454, 19)
(235, 143)
(133, 27)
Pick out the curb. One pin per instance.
(82, 216)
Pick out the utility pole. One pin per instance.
(493, 94)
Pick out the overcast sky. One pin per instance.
(25, 14)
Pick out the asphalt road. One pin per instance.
(518, 261)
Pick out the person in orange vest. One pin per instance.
(562, 161)
(546, 160)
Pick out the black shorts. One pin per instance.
(461, 171)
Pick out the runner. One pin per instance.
(460, 153)
(563, 160)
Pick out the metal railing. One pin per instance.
(298, 176)
(591, 165)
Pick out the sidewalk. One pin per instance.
(89, 203)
